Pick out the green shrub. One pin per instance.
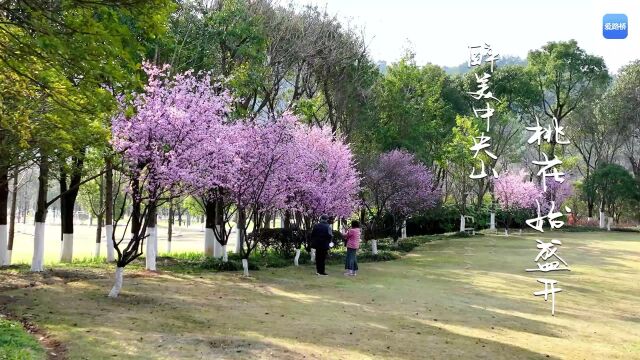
(578, 229)
(625, 229)
(380, 256)
(209, 263)
(407, 245)
(461, 234)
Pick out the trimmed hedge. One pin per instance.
(446, 219)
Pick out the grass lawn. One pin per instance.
(450, 299)
(15, 343)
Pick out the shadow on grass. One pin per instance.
(427, 305)
(257, 319)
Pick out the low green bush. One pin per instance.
(625, 229)
(407, 245)
(384, 255)
(577, 229)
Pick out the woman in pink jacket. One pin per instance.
(352, 239)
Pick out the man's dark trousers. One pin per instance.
(321, 257)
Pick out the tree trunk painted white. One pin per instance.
(462, 223)
(8, 258)
(225, 255)
(209, 242)
(217, 247)
(115, 290)
(96, 253)
(403, 232)
(313, 256)
(295, 259)
(66, 255)
(37, 262)
(492, 223)
(245, 267)
(602, 220)
(609, 222)
(109, 240)
(506, 232)
(374, 247)
(4, 236)
(238, 240)
(169, 247)
(152, 249)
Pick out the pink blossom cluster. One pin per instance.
(163, 131)
(285, 165)
(176, 137)
(400, 184)
(324, 168)
(515, 191)
(558, 192)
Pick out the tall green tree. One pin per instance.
(77, 54)
(417, 108)
(564, 73)
(613, 187)
(624, 101)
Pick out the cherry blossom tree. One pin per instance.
(514, 192)
(326, 180)
(396, 183)
(558, 192)
(262, 179)
(162, 136)
(213, 186)
(282, 165)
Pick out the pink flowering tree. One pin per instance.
(325, 178)
(515, 193)
(282, 165)
(396, 183)
(262, 179)
(557, 192)
(162, 135)
(213, 183)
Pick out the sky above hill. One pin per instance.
(441, 31)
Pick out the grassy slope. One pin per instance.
(459, 298)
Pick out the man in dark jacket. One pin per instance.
(321, 237)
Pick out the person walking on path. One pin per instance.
(352, 240)
(321, 237)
